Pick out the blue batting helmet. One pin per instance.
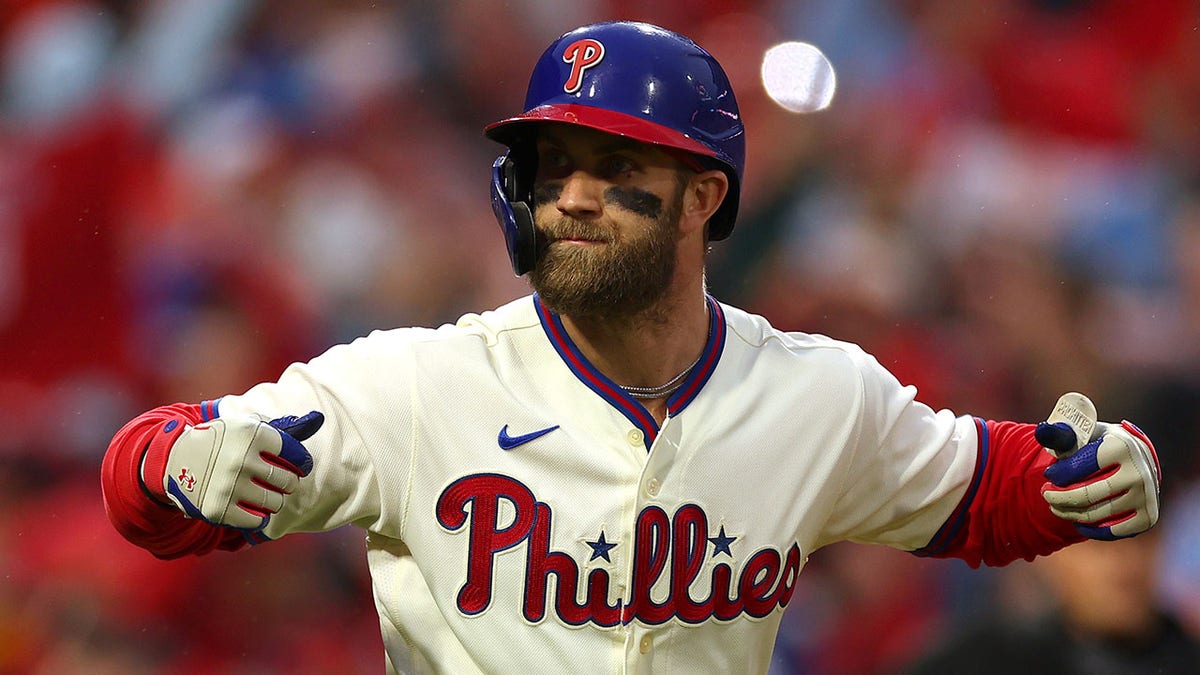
(630, 79)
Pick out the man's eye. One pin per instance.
(619, 166)
(553, 164)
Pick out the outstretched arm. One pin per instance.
(176, 481)
(1107, 488)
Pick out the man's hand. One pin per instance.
(237, 471)
(1105, 477)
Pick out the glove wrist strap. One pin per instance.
(154, 459)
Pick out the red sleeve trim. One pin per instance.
(138, 508)
(1002, 516)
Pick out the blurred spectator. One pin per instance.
(862, 609)
(1104, 617)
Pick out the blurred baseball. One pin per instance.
(798, 77)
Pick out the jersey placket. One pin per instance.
(654, 490)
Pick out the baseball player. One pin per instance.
(617, 473)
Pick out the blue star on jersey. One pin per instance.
(600, 548)
(721, 543)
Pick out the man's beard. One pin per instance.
(622, 278)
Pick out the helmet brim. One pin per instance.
(510, 130)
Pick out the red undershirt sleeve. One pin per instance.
(1003, 517)
(138, 508)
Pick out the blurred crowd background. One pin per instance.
(1002, 204)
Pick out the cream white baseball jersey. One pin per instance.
(524, 515)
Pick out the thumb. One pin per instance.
(299, 428)
(1059, 437)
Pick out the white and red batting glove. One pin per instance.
(1105, 477)
(237, 471)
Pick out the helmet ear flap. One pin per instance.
(512, 197)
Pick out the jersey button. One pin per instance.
(652, 487)
(635, 436)
(645, 645)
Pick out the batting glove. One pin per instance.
(236, 471)
(1105, 477)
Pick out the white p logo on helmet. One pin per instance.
(581, 54)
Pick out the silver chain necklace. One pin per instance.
(665, 389)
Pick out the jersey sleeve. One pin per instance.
(942, 485)
(905, 466)
(364, 391)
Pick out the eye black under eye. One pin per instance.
(546, 193)
(646, 204)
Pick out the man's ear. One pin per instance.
(702, 197)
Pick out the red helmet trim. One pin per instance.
(609, 121)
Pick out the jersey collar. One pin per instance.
(630, 407)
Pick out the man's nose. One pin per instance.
(582, 195)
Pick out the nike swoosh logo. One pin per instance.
(509, 442)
